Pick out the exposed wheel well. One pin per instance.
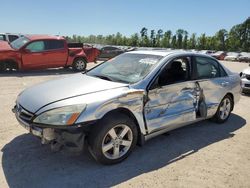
(128, 113)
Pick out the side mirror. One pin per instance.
(27, 50)
(241, 74)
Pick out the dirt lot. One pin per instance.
(201, 155)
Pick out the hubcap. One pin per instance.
(225, 108)
(117, 141)
(80, 65)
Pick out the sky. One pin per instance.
(86, 17)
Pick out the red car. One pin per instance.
(220, 55)
(43, 51)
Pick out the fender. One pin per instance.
(75, 53)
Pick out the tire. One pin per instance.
(112, 139)
(79, 64)
(3, 66)
(224, 110)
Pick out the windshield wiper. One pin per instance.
(104, 77)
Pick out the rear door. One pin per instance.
(56, 52)
(212, 80)
(173, 97)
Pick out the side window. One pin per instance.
(13, 37)
(222, 72)
(2, 37)
(175, 71)
(54, 44)
(36, 46)
(206, 68)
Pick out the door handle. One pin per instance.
(224, 84)
(186, 88)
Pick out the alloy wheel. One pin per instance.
(117, 141)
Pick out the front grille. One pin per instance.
(248, 76)
(24, 114)
(247, 85)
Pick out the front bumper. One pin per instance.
(47, 135)
(245, 85)
(71, 138)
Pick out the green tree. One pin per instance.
(179, 34)
(144, 37)
(152, 38)
(185, 41)
(202, 42)
(166, 39)
(159, 36)
(221, 36)
(192, 41)
(173, 42)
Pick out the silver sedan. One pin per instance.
(128, 100)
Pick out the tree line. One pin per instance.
(236, 39)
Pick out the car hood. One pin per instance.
(246, 71)
(4, 46)
(38, 96)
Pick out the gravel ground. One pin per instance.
(204, 154)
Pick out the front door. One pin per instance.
(173, 97)
(33, 55)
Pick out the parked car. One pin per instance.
(43, 51)
(220, 55)
(244, 57)
(245, 80)
(9, 37)
(128, 100)
(208, 52)
(108, 52)
(232, 56)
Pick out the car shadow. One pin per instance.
(28, 164)
(45, 72)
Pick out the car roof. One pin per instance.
(43, 37)
(165, 53)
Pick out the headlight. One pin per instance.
(66, 115)
(243, 75)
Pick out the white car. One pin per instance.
(245, 80)
(9, 37)
(232, 56)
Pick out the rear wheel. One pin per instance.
(113, 139)
(224, 110)
(79, 64)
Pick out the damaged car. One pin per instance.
(245, 80)
(128, 100)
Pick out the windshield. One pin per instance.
(18, 43)
(127, 68)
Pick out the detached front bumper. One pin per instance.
(71, 138)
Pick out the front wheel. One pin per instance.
(113, 139)
(224, 110)
(79, 64)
